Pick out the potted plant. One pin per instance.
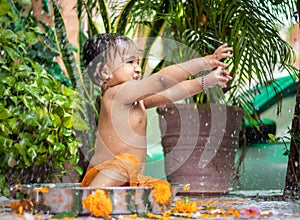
(39, 116)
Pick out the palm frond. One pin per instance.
(103, 8)
(123, 17)
(64, 48)
(77, 79)
(93, 29)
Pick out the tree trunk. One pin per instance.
(292, 182)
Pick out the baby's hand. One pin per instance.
(217, 77)
(222, 52)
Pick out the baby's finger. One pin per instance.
(223, 65)
(225, 55)
(226, 74)
(224, 47)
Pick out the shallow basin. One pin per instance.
(62, 197)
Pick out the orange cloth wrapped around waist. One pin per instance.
(125, 164)
(128, 166)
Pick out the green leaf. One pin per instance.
(4, 113)
(6, 192)
(64, 47)
(56, 119)
(9, 80)
(67, 132)
(4, 8)
(31, 152)
(73, 148)
(104, 11)
(58, 147)
(5, 143)
(68, 214)
(31, 38)
(74, 159)
(42, 149)
(68, 121)
(29, 119)
(51, 138)
(122, 19)
(78, 169)
(14, 55)
(46, 6)
(15, 125)
(2, 89)
(78, 123)
(7, 34)
(92, 25)
(186, 200)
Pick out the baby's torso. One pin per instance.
(121, 129)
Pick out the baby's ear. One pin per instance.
(105, 72)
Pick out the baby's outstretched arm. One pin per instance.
(172, 75)
(191, 67)
(189, 88)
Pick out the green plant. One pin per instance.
(46, 131)
(39, 116)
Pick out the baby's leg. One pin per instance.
(106, 177)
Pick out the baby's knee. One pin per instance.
(106, 178)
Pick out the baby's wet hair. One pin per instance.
(97, 51)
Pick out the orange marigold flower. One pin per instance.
(161, 191)
(41, 190)
(186, 187)
(99, 203)
(184, 207)
(21, 206)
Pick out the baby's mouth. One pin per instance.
(136, 77)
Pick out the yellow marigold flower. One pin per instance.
(161, 191)
(183, 207)
(187, 187)
(41, 190)
(21, 206)
(99, 203)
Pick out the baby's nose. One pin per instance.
(138, 68)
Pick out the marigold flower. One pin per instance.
(186, 187)
(99, 203)
(183, 207)
(161, 192)
(41, 190)
(21, 206)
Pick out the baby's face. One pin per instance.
(125, 64)
(119, 54)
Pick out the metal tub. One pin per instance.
(62, 197)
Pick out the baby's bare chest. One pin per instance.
(138, 115)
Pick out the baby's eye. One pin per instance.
(130, 61)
